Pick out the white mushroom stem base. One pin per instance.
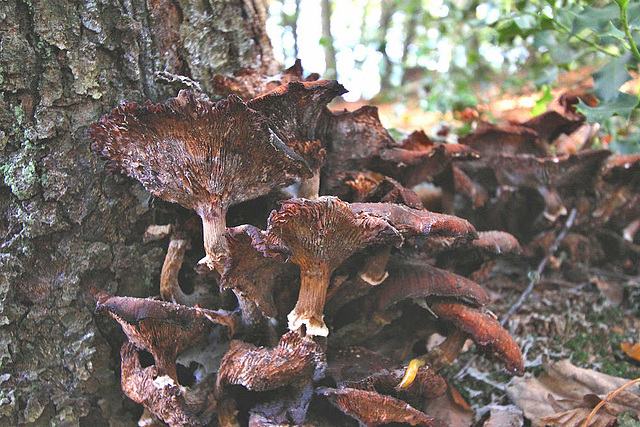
(313, 294)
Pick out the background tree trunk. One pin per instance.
(65, 223)
(327, 40)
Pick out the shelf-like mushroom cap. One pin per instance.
(249, 83)
(433, 229)
(293, 110)
(485, 330)
(410, 279)
(294, 360)
(162, 328)
(490, 141)
(373, 409)
(196, 153)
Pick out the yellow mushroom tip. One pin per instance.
(410, 374)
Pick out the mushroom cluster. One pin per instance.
(331, 295)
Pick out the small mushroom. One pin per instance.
(161, 395)
(485, 330)
(203, 156)
(318, 235)
(293, 112)
(256, 279)
(368, 186)
(163, 329)
(550, 175)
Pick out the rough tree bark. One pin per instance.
(65, 224)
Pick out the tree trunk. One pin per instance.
(327, 40)
(415, 14)
(66, 223)
(388, 9)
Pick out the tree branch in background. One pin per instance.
(327, 40)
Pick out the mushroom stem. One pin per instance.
(169, 286)
(448, 351)
(214, 224)
(314, 282)
(374, 271)
(166, 365)
(310, 188)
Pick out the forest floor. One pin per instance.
(578, 311)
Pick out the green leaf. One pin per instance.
(595, 19)
(541, 104)
(613, 31)
(622, 106)
(608, 79)
(547, 23)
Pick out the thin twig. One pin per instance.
(608, 399)
(535, 278)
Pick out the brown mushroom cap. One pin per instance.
(485, 330)
(295, 359)
(434, 229)
(318, 235)
(411, 279)
(203, 156)
(251, 273)
(163, 329)
(491, 141)
(373, 409)
(248, 83)
(293, 112)
(368, 186)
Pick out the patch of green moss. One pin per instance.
(18, 113)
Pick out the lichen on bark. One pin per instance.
(66, 223)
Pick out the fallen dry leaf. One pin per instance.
(565, 395)
(632, 350)
(505, 416)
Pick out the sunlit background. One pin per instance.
(385, 44)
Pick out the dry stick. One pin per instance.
(607, 399)
(535, 278)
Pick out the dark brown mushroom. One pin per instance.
(550, 175)
(161, 395)
(318, 235)
(372, 409)
(485, 330)
(255, 277)
(203, 156)
(294, 360)
(368, 186)
(431, 230)
(248, 83)
(293, 112)
(491, 141)
(163, 329)
(416, 279)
